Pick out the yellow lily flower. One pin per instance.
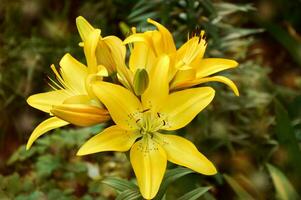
(139, 126)
(188, 67)
(109, 51)
(72, 100)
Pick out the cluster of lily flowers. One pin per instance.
(156, 91)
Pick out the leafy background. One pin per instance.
(254, 139)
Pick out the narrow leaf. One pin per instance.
(119, 184)
(286, 137)
(194, 194)
(284, 189)
(239, 190)
(129, 195)
(171, 176)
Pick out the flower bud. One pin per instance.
(141, 81)
(80, 114)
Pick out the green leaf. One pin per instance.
(21, 155)
(139, 11)
(284, 38)
(209, 6)
(144, 17)
(12, 184)
(171, 176)
(47, 164)
(284, 189)
(194, 194)
(235, 33)
(208, 196)
(229, 8)
(239, 190)
(129, 195)
(119, 184)
(286, 137)
(33, 196)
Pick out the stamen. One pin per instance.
(69, 86)
(55, 83)
(145, 110)
(158, 114)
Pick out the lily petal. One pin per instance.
(183, 76)
(90, 46)
(81, 114)
(74, 73)
(78, 99)
(221, 79)
(45, 101)
(181, 107)
(158, 87)
(84, 27)
(141, 57)
(136, 37)
(113, 56)
(45, 126)
(208, 66)
(183, 152)
(113, 138)
(198, 81)
(149, 163)
(166, 37)
(111, 53)
(124, 107)
(192, 50)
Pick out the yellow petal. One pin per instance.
(90, 46)
(117, 52)
(116, 46)
(152, 40)
(124, 106)
(141, 57)
(221, 79)
(74, 73)
(167, 39)
(84, 27)
(113, 138)
(183, 76)
(80, 114)
(110, 53)
(78, 99)
(102, 71)
(158, 87)
(209, 66)
(136, 37)
(181, 107)
(44, 101)
(192, 50)
(183, 152)
(44, 127)
(149, 163)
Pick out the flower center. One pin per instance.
(150, 122)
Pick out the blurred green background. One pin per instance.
(254, 140)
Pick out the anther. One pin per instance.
(145, 110)
(158, 114)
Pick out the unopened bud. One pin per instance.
(141, 81)
(81, 114)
